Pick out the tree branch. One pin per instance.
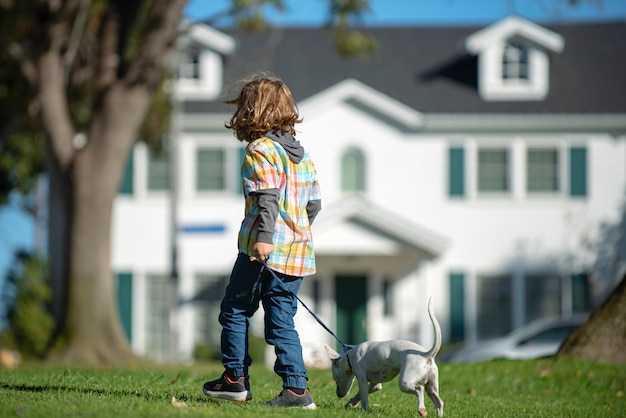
(51, 86)
(108, 56)
(75, 37)
(161, 32)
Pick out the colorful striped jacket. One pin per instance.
(266, 166)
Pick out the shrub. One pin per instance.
(30, 322)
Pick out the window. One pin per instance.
(353, 171)
(542, 170)
(190, 64)
(493, 170)
(207, 297)
(549, 170)
(210, 169)
(494, 306)
(157, 316)
(515, 62)
(543, 296)
(158, 170)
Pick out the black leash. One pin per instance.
(344, 347)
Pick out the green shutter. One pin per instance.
(126, 186)
(578, 171)
(456, 172)
(581, 297)
(457, 307)
(125, 302)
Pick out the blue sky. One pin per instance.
(430, 12)
(17, 232)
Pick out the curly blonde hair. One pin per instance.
(264, 104)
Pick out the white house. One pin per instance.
(470, 165)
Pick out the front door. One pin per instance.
(351, 299)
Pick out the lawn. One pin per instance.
(539, 388)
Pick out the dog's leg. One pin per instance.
(364, 390)
(409, 385)
(375, 387)
(432, 388)
(421, 407)
(354, 401)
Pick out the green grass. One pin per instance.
(540, 388)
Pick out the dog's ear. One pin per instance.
(331, 353)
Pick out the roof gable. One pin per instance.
(510, 27)
(364, 97)
(207, 37)
(358, 226)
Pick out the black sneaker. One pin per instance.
(227, 388)
(288, 399)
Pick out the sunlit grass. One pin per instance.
(541, 388)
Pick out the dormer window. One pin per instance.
(515, 62)
(201, 52)
(513, 59)
(190, 64)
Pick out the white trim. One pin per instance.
(399, 229)
(513, 25)
(508, 123)
(353, 90)
(206, 36)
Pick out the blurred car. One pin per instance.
(536, 339)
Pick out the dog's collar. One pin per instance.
(348, 358)
(344, 351)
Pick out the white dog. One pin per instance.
(375, 362)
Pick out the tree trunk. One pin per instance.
(91, 331)
(59, 215)
(98, 337)
(603, 337)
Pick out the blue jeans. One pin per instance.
(250, 283)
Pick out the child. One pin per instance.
(282, 198)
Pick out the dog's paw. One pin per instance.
(423, 412)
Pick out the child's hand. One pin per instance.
(261, 251)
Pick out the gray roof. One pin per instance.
(427, 69)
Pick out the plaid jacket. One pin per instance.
(267, 166)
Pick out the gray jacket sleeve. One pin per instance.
(267, 200)
(313, 207)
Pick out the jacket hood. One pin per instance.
(289, 144)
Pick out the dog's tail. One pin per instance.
(437, 345)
